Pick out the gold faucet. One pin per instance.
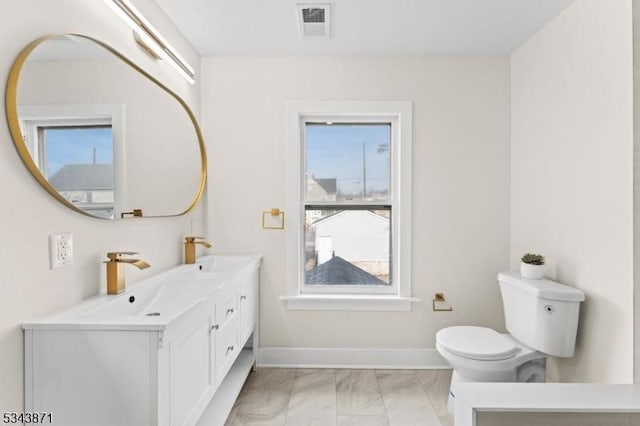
(190, 248)
(134, 213)
(115, 271)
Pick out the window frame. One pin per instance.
(398, 295)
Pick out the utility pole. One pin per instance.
(364, 172)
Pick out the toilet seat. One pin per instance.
(477, 343)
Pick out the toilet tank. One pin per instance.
(542, 314)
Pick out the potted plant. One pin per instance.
(532, 266)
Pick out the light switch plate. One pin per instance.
(60, 250)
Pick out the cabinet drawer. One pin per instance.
(227, 348)
(226, 310)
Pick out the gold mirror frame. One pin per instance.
(11, 107)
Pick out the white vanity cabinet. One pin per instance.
(121, 370)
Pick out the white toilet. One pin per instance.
(542, 319)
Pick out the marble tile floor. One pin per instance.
(326, 397)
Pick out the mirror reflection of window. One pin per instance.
(78, 163)
(74, 147)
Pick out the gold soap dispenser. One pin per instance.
(115, 272)
(190, 248)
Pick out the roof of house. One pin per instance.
(338, 271)
(330, 185)
(82, 177)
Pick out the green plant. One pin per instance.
(533, 259)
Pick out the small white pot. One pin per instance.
(535, 272)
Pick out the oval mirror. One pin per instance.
(100, 134)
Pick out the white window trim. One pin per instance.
(32, 115)
(401, 113)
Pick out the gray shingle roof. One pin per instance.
(79, 177)
(330, 185)
(338, 271)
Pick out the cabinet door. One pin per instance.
(248, 307)
(189, 372)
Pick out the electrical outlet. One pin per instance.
(60, 250)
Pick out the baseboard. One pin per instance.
(351, 358)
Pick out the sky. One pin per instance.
(335, 151)
(75, 146)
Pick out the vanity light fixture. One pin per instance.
(150, 37)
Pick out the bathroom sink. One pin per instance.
(216, 266)
(177, 292)
(120, 305)
(167, 298)
(160, 302)
(223, 264)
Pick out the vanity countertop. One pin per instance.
(154, 303)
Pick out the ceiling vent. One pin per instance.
(313, 20)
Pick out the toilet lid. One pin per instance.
(479, 343)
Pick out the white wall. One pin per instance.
(460, 184)
(571, 175)
(28, 289)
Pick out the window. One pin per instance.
(75, 153)
(349, 202)
(347, 206)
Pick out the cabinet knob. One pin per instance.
(243, 297)
(229, 311)
(214, 327)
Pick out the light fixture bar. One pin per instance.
(151, 37)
